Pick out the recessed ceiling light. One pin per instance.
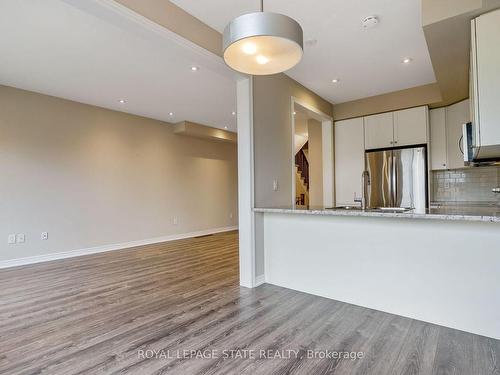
(225, 127)
(194, 68)
(233, 113)
(294, 113)
(122, 101)
(171, 114)
(262, 60)
(335, 80)
(407, 60)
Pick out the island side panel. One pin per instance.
(438, 271)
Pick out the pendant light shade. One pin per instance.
(262, 43)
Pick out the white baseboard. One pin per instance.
(259, 280)
(101, 249)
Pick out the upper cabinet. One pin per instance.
(485, 85)
(437, 119)
(446, 135)
(410, 126)
(456, 115)
(379, 131)
(393, 129)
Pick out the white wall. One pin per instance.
(92, 177)
(443, 272)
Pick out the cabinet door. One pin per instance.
(456, 115)
(438, 138)
(410, 126)
(349, 160)
(379, 131)
(488, 77)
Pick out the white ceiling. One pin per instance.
(97, 52)
(367, 62)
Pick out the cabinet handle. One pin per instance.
(395, 142)
(391, 142)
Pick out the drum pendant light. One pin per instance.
(262, 43)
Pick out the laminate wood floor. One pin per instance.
(136, 311)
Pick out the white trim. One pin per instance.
(259, 280)
(246, 216)
(328, 162)
(311, 108)
(111, 247)
(292, 122)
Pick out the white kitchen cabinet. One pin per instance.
(438, 138)
(349, 160)
(485, 77)
(456, 115)
(379, 131)
(410, 126)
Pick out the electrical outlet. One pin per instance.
(11, 239)
(21, 238)
(175, 220)
(275, 185)
(45, 236)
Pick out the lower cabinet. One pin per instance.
(349, 160)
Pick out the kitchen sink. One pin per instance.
(345, 208)
(373, 209)
(390, 209)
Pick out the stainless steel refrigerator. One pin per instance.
(397, 178)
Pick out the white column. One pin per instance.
(246, 216)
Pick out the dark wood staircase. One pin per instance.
(302, 165)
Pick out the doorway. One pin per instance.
(312, 158)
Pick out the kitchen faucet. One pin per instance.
(365, 181)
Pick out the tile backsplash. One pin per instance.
(466, 185)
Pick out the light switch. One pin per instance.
(275, 185)
(11, 239)
(20, 238)
(45, 236)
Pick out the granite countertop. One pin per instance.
(486, 213)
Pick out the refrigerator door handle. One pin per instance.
(394, 181)
(389, 202)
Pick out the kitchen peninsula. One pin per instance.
(427, 247)
(442, 266)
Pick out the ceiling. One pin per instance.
(98, 52)
(366, 62)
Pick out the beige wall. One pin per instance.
(446, 25)
(91, 176)
(315, 162)
(414, 97)
(273, 135)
